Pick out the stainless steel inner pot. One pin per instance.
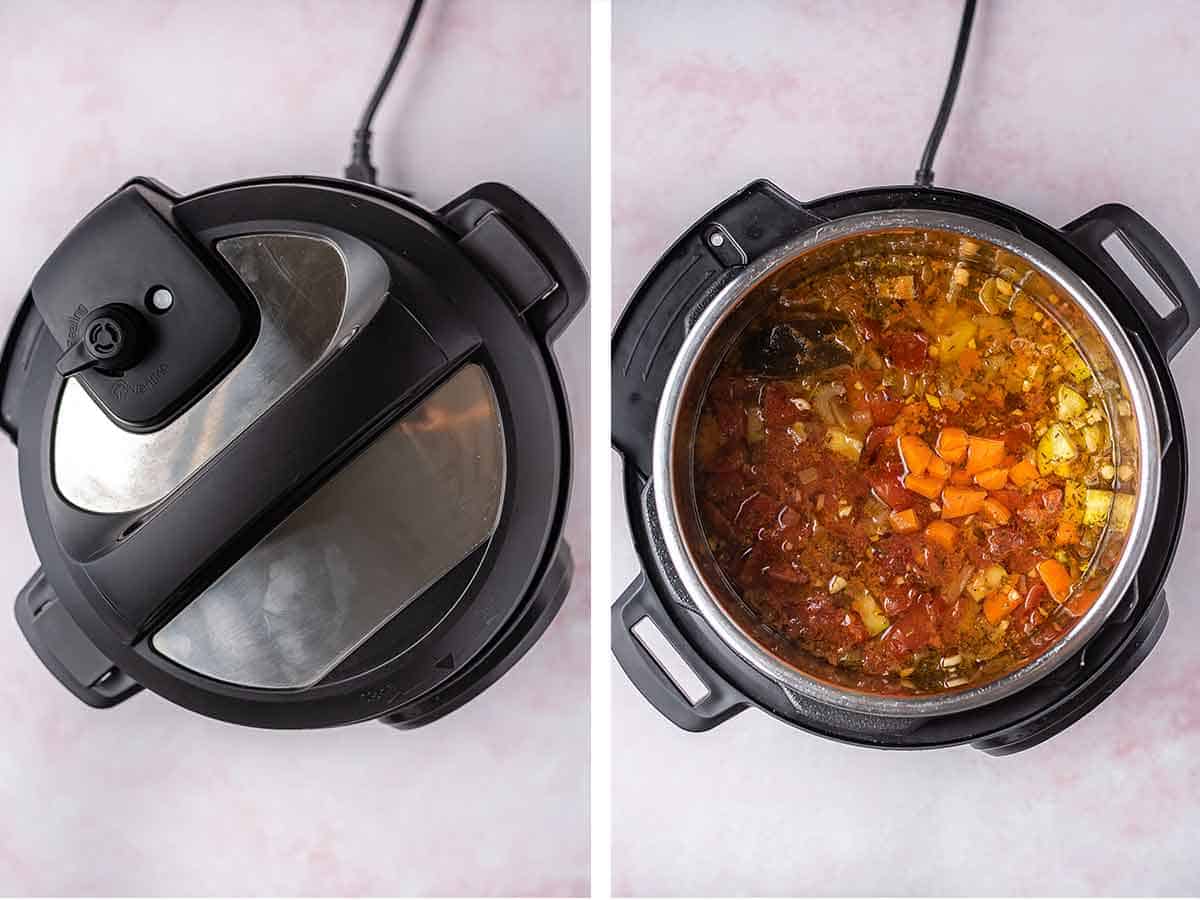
(988, 248)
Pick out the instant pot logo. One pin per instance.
(123, 389)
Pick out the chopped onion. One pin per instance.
(954, 590)
(806, 476)
(827, 401)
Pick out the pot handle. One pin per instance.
(1159, 258)
(65, 650)
(720, 702)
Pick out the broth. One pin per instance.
(905, 468)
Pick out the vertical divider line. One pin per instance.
(600, 421)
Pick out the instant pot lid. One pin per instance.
(361, 495)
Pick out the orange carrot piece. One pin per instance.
(996, 511)
(951, 445)
(1023, 473)
(924, 485)
(1081, 602)
(905, 521)
(983, 453)
(938, 468)
(1056, 577)
(958, 501)
(969, 360)
(960, 477)
(999, 604)
(941, 533)
(992, 479)
(915, 453)
(1067, 533)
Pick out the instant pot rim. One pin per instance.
(670, 455)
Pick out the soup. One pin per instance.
(905, 467)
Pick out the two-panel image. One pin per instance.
(321, 317)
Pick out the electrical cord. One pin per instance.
(924, 174)
(360, 167)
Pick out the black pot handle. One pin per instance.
(524, 252)
(721, 701)
(1172, 331)
(66, 651)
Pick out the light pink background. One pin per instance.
(1063, 106)
(151, 799)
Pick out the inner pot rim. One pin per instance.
(669, 454)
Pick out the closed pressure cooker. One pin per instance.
(294, 452)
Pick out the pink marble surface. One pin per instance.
(150, 799)
(1062, 107)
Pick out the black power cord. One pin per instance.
(360, 168)
(924, 175)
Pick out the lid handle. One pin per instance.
(524, 253)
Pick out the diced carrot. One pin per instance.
(996, 511)
(938, 468)
(951, 445)
(968, 360)
(958, 501)
(915, 453)
(992, 479)
(983, 453)
(999, 604)
(905, 521)
(924, 485)
(1023, 473)
(960, 477)
(1056, 577)
(942, 533)
(1067, 533)
(1081, 602)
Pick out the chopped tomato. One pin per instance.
(905, 349)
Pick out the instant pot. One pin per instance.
(294, 452)
(676, 329)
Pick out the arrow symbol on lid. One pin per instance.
(446, 662)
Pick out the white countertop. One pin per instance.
(148, 798)
(1062, 107)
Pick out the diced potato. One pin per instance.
(1096, 504)
(1093, 438)
(844, 445)
(1055, 448)
(1121, 516)
(870, 613)
(1073, 363)
(986, 581)
(1070, 403)
(956, 339)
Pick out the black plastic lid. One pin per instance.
(364, 495)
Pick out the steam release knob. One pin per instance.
(111, 339)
